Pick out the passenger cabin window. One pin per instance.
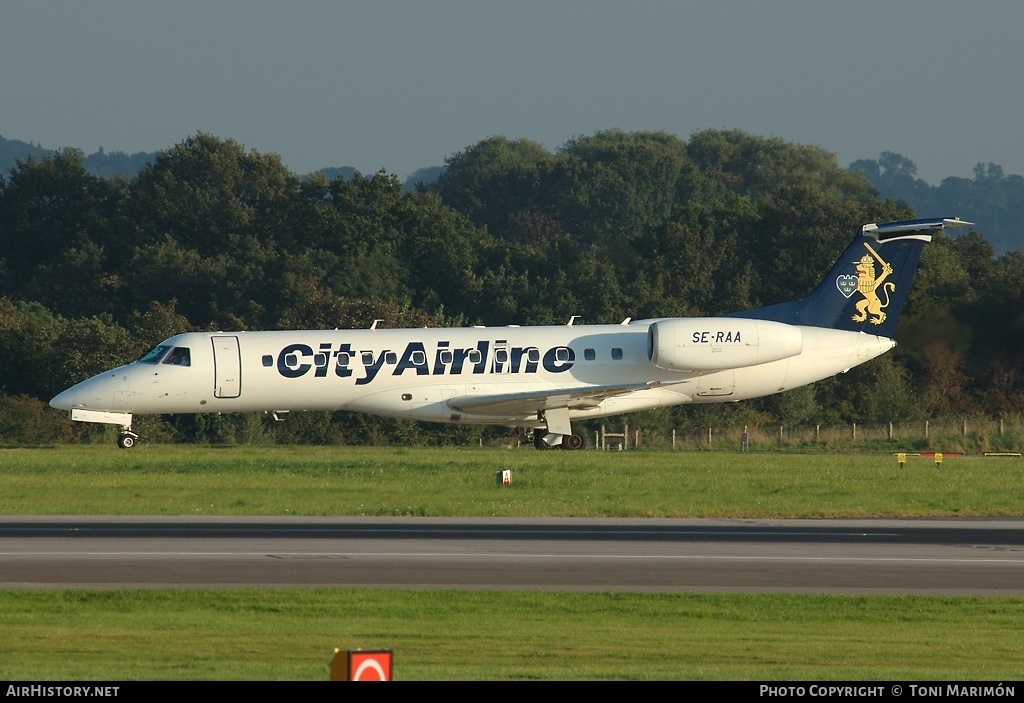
(616, 353)
(589, 354)
(179, 356)
(153, 356)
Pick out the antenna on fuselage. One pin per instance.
(374, 325)
(572, 320)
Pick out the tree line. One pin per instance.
(208, 235)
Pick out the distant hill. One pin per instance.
(100, 163)
(346, 172)
(426, 176)
(13, 149)
(118, 163)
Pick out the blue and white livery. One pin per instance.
(537, 378)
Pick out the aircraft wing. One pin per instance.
(532, 401)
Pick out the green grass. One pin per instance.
(463, 635)
(310, 481)
(125, 635)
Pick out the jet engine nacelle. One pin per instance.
(715, 343)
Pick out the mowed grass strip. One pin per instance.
(485, 635)
(342, 481)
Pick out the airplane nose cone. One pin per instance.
(96, 393)
(64, 400)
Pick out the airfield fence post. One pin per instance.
(890, 430)
(964, 426)
(855, 430)
(1000, 425)
(926, 429)
(606, 435)
(673, 437)
(817, 432)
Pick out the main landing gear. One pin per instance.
(557, 431)
(126, 439)
(543, 440)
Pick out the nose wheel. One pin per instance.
(127, 439)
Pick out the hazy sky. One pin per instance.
(399, 85)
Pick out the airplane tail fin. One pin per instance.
(866, 288)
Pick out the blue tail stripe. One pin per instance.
(867, 287)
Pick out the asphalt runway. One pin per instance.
(932, 557)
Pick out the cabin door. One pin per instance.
(227, 367)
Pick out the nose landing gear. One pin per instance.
(126, 439)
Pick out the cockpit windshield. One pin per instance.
(153, 356)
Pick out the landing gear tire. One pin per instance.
(126, 440)
(538, 441)
(574, 441)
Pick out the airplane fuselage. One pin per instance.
(434, 374)
(540, 378)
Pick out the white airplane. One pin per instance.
(536, 378)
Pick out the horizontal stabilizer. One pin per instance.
(926, 227)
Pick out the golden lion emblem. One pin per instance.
(867, 285)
